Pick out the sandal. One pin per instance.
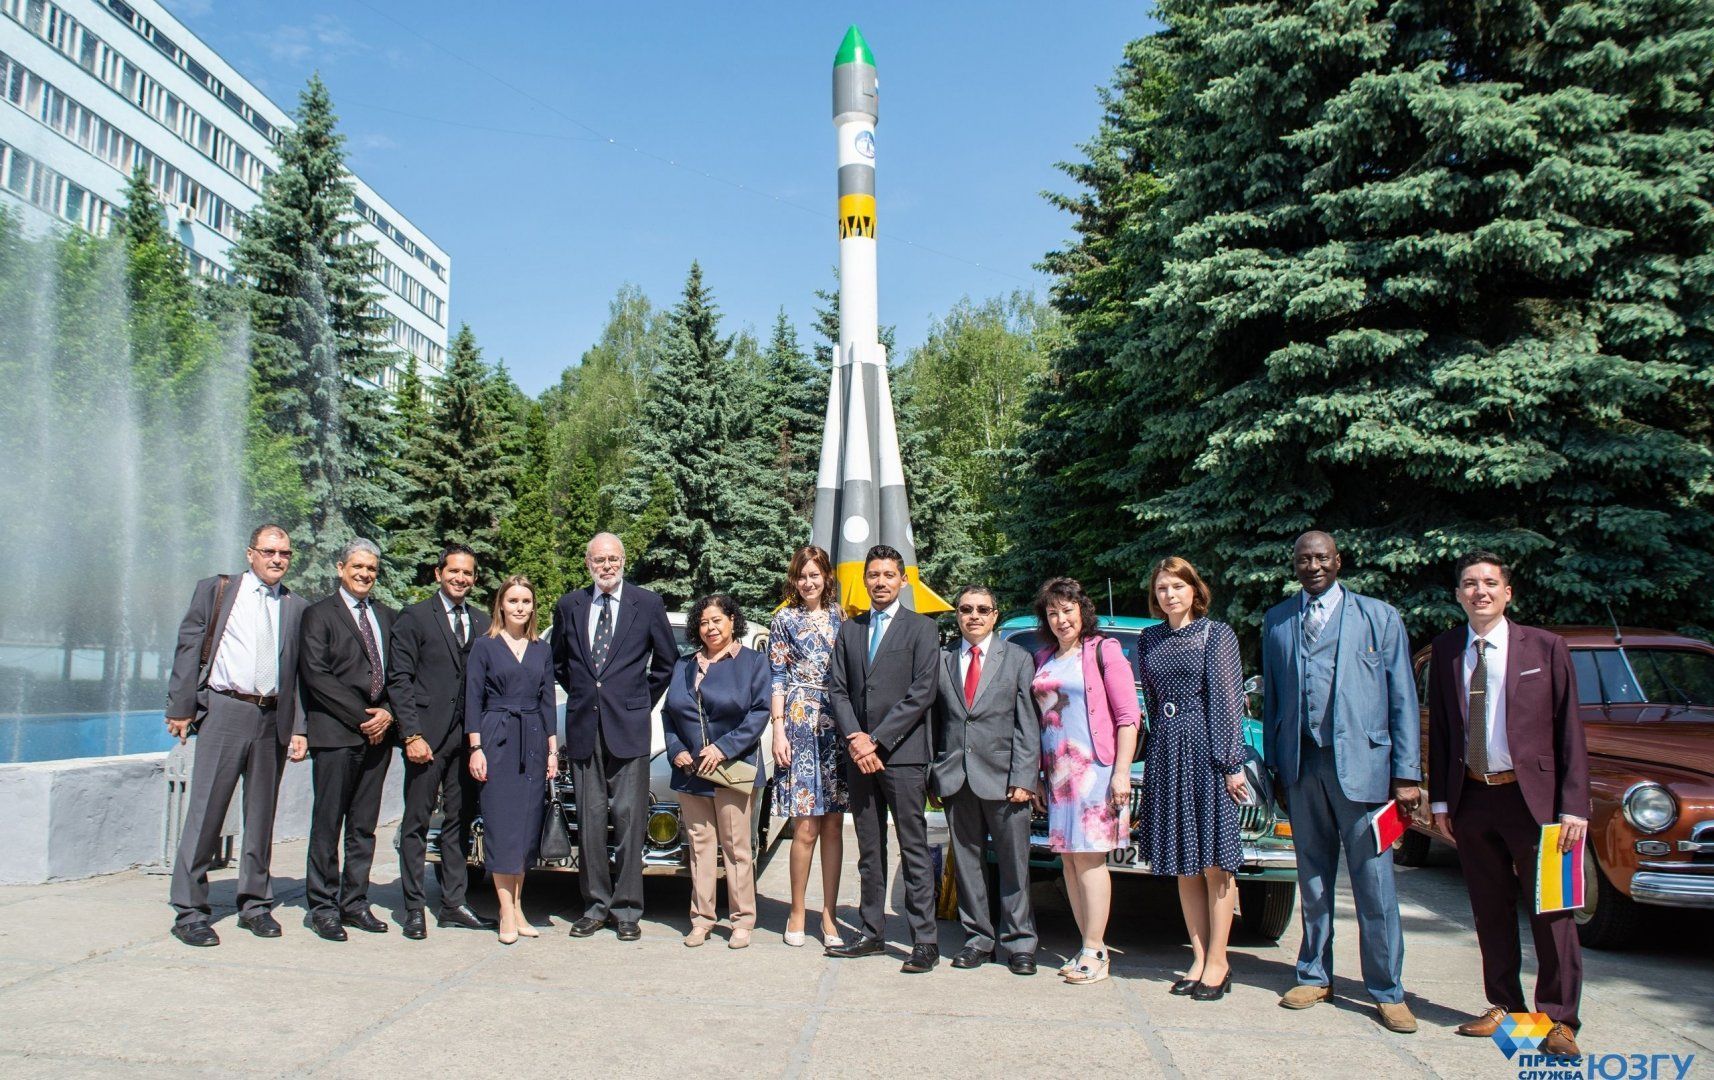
(1071, 965)
(1090, 972)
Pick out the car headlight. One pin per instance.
(663, 828)
(1649, 807)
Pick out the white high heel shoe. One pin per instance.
(794, 938)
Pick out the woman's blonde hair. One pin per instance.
(498, 614)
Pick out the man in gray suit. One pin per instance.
(988, 737)
(234, 686)
(1341, 729)
(880, 687)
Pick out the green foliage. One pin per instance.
(531, 540)
(793, 409)
(316, 340)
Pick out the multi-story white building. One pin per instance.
(94, 88)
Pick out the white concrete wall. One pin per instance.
(86, 816)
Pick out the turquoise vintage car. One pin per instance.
(1267, 884)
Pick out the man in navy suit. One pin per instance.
(1506, 755)
(613, 652)
(1341, 728)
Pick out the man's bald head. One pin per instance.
(605, 558)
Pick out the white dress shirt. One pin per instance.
(374, 624)
(985, 645)
(892, 613)
(613, 606)
(235, 659)
(1498, 638)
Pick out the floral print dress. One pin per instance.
(1080, 812)
(800, 647)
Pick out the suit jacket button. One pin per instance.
(597, 685)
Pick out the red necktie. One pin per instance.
(971, 675)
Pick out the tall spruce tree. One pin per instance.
(457, 484)
(531, 542)
(318, 350)
(797, 389)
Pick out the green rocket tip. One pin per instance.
(854, 50)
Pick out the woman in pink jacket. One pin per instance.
(1088, 737)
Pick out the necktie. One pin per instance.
(603, 632)
(1476, 741)
(463, 624)
(1315, 620)
(369, 650)
(972, 675)
(267, 650)
(875, 627)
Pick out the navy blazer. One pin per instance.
(622, 695)
(735, 694)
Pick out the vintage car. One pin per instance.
(664, 849)
(1646, 698)
(1267, 884)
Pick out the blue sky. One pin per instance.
(487, 125)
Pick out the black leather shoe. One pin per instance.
(1183, 987)
(858, 946)
(327, 927)
(586, 926)
(971, 958)
(1204, 992)
(628, 931)
(365, 921)
(1022, 964)
(263, 925)
(923, 958)
(463, 916)
(415, 926)
(199, 934)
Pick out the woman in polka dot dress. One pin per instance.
(1193, 772)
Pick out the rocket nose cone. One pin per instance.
(854, 49)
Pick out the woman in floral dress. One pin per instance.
(809, 784)
(1088, 735)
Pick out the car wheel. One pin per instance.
(1265, 907)
(1412, 849)
(1608, 919)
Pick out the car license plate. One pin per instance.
(1130, 856)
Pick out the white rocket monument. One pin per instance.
(860, 488)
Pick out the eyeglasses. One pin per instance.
(606, 560)
(975, 609)
(273, 553)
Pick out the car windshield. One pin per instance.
(1031, 640)
(1635, 676)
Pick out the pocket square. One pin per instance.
(1531, 671)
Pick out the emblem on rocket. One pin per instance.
(860, 487)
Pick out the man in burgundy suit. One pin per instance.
(1506, 755)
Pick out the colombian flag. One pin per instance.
(1558, 874)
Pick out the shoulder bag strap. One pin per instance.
(209, 644)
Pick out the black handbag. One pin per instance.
(556, 834)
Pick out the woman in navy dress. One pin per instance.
(809, 755)
(511, 718)
(1193, 774)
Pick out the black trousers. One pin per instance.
(1497, 843)
(616, 789)
(971, 821)
(900, 790)
(236, 741)
(348, 781)
(448, 776)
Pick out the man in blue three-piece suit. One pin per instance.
(1340, 728)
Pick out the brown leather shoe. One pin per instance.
(1396, 1016)
(1560, 1042)
(1485, 1025)
(1302, 997)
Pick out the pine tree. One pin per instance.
(410, 403)
(317, 347)
(457, 485)
(796, 389)
(530, 539)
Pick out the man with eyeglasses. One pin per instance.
(988, 733)
(234, 687)
(1341, 729)
(613, 653)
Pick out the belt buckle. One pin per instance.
(1169, 710)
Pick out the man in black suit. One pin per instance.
(234, 686)
(425, 687)
(881, 687)
(348, 733)
(613, 652)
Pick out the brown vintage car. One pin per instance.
(1647, 702)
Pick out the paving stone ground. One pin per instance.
(91, 983)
